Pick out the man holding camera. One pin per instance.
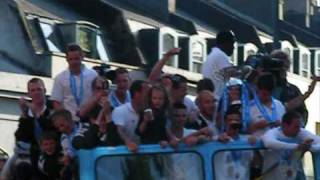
(288, 93)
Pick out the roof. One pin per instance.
(172, 20)
(30, 8)
(302, 34)
(221, 18)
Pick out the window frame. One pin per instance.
(33, 23)
(317, 63)
(192, 40)
(174, 34)
(153, 153)
(287, 45)
(304, 52)
(88, 158)
(249, 47)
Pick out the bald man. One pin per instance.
(205, 117)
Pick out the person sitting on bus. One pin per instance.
(152, 123)
(126, 116)
(288, 144)
(265, 111)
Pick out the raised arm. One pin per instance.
(156, 70)
(315, 79)
(298, 101)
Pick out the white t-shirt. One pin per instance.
(192, 109)
(62, 92)
(212, 68)
(256, 115)
(125, 116)
(187, 132)
(114, 101)
(281, 147)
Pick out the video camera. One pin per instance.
(266, 64)
(105, 71)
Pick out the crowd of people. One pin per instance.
(251, 102)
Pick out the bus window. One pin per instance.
(262, 164)
(307, 164)
(164, 166)
(235, 164)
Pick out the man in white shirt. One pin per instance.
(126, 116)
(217, 65)
(72, 86)
(288, 144)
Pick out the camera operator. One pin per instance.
(289, 94)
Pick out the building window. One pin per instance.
(234, 56)
(169, 43)
(288, 48)
(318, 64)
(49, 36)
(197, 56)
(88, 36)
(305, 65)
(250, 52)
(288, 52)
(43, 34)
(102, 52)
(250, 49)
